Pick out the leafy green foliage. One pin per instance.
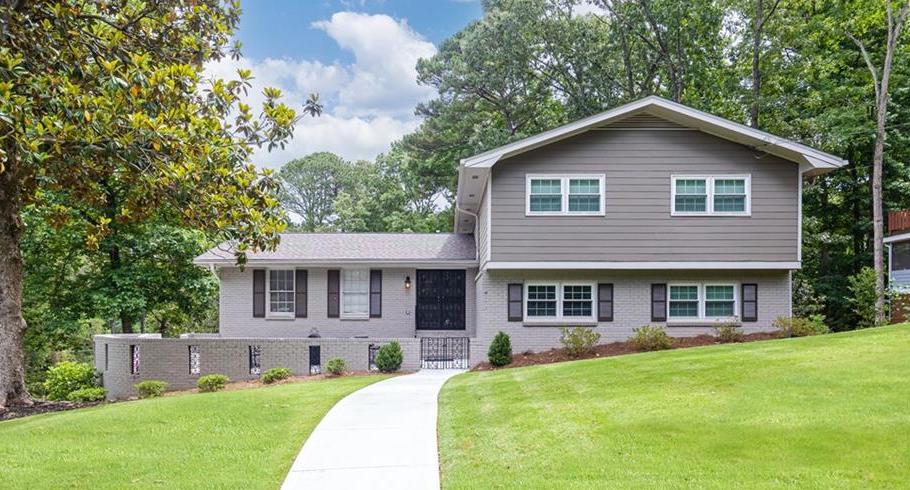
(151, 388)
(500, 351)
(651, 338)
(727, 333)
(67, 377)
(276, 374)
(211, 382)
(389, 357)
(336, 366)
(578, 341)
(93, 394)
(800, 327)
(862, 296)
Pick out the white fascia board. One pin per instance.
(641, 265)
(897, 238)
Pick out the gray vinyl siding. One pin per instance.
(638, 165)
(398, 309)
(483, 232)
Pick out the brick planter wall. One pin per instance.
(168, 359)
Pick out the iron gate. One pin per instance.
(373, 349)
(444, 352)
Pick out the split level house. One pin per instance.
(652, 213)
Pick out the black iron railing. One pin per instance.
(444, 352)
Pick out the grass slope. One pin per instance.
(822, 412)
(234, 439)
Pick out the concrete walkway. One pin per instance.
(382, 436)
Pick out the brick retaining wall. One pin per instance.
(168, 359)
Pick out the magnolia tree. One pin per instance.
(104, 105)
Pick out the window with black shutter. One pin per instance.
(258, 293)
(333, 285)
(300, 293)
(375, 293)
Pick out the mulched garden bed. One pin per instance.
(612, 349)
(41, 406)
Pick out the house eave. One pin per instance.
(341, 263)
(569, 265)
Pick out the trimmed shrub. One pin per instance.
(276, 374)
(650, 338)
(863, 297)
(92, 394)
(212, 382)
(336, 366)
(728, 333)
(389, 357)
(67, 377)
(152, 388)
(579, 340)
(500, 351)
(800, 327)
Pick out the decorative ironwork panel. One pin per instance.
(440, 300)
(315, 359)
(195, 365)
(373, 350)
(136, 358)
(444, 352)
(255, 355)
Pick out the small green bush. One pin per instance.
(92, 394)
(500, 351)
(276, 374)
(67, 377)
(579, 340)
(728, 333)
(650, 338)
(212, 382)
(336, 366)
(863, 297)
(800, 327)
(389, 357)
(152, 388)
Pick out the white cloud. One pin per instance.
(369, 103)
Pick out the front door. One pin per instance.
(440, 299)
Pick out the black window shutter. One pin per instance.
(258, 293)
(605, 302)
(516, 302)
(749, 302)
(300, 293)
(375, 293)
(332, 308)
(658, 302)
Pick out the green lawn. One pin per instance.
(232, 439)
(822, 412)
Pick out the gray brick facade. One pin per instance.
(169, 360)
(631, 300)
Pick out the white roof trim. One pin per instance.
(897, 238)
(396, 263)
(640, 265)
(682, 114)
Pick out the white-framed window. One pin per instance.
(702, 301)
(559, 301)
(355, 293)
(281, 293)
(711, 195)
(565, 195)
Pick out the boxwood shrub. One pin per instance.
(276, 374)
(500, 351)
(212, 382)
(389, 357)
(152, 388)
(336, 366)
(93, 394)
(67, 377)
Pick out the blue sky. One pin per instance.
(359, 55)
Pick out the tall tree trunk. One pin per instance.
(756, 59)
(126, 320)
(878, 157)
(12, 324)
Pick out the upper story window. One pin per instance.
(281, 292)
(701, 301)
(559, 301)
(355, 293)
(565, 195)
(711, 195)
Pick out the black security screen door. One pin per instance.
(440, 299)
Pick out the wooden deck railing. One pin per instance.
(898, 221)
